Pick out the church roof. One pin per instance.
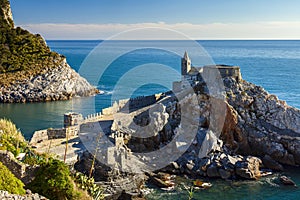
(186, 56)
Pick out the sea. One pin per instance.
(123, 69)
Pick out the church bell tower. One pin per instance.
(185, 64)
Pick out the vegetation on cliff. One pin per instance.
(9, 182)
(23, 54)
(53, 178)
(11, 138)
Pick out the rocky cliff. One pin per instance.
(30, 71)
(6, 18)
(256, 124)
(59, 83)
(259, 131)
(263, 125)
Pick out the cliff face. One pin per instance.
(256, 123)
(30, 71)
(6, 18)
(265, 126)
(60, 83)
(259, 131)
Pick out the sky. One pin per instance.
(196, 19)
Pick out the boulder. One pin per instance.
(287, 181)
(224, 174)
(212, 171)
(249, 168)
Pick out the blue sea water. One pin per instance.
(274, 65)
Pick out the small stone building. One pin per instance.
(72, 119)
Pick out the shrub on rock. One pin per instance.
(8, 181)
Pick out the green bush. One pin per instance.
(33, 158)
(53, 181)
(9, 182)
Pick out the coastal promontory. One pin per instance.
(30, 71)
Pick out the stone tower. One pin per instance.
(72, 119)
(185, 64)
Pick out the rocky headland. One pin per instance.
(260, 131)
(30, 71)
(242, 133)
(52, 84)
(259, 135)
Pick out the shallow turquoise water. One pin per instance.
(265, 188)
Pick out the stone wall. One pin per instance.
(92, 117)
(129, 105)
(72, 119)
(225, 71)
(39, 136)
(49, 134)
(139, 102)
(57, 133)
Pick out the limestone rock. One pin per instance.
(60, 83)
(249, 169)
(4, 195)
(210, 143)
(259, 123)
(5, 13)
(126, 122)
(287, 181)
(212, 171)
(224, 174)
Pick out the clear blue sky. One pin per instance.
(153, 11)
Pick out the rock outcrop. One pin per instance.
(4, 195)
(257, 131)
(142, 125)
(22, 171)
(264, 126)
(30, 71)
(113, 182)
(6, 17)
(60, 83)
(218, 162)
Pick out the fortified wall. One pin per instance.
(130, 105)
(224, 70)
(54, 133)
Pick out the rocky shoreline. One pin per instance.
(260, 136)
(60, 83)
(4, 195)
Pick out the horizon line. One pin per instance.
(203, 39)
